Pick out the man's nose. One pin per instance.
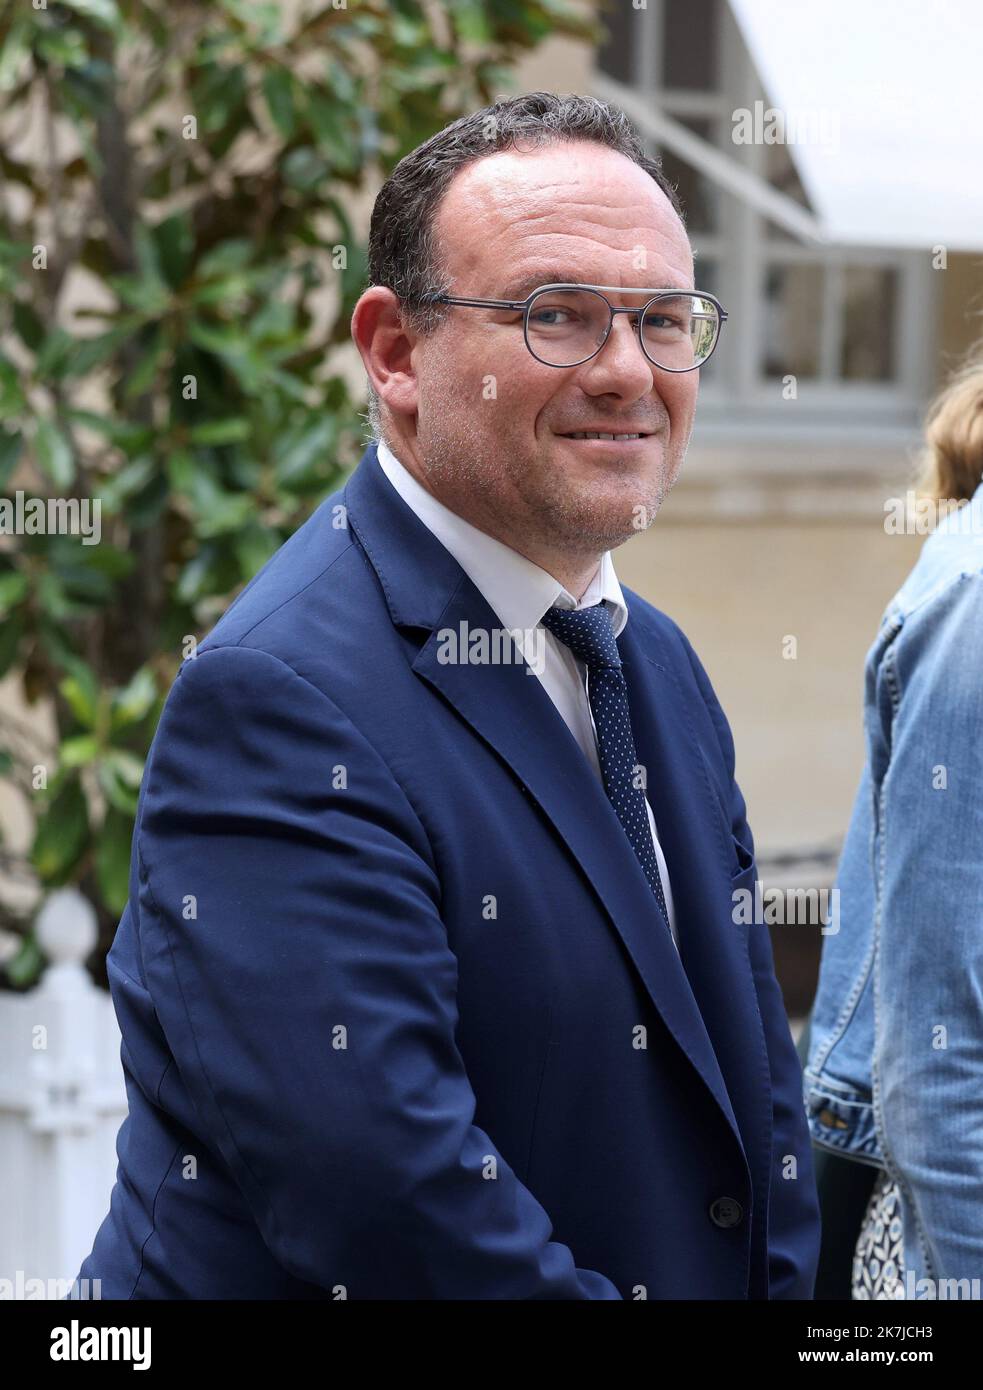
(622, 357)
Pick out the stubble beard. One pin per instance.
(483, 482)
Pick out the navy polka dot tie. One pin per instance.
(589, 635)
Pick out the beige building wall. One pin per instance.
(738, 589)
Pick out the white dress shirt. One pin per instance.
(520, 593)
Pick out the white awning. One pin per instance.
(886, 97)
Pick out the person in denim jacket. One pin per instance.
(894, 1076)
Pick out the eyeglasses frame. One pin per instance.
(656, 295)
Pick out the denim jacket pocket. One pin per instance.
(842, 1121)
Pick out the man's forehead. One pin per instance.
(545, 169)
(579, 209)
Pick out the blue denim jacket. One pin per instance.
(894, 1076)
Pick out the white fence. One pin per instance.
(62, 1100)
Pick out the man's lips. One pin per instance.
(601, 429)
(609, 440)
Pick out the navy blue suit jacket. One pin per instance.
(399, 1019)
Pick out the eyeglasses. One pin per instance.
(566, 325)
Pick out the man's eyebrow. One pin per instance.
(519, 289)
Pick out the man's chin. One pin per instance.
(602, 533)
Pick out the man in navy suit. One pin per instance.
(431, 982)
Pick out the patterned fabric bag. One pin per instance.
(878, 1261)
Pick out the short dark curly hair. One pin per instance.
(404, 254)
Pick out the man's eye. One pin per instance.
(661, 322)
(543, 319)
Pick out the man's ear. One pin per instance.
(385, 345)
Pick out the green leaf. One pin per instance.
(278, 88)
(81, 692)
(129, 482)
(104, 12)
(62, 834)
(341, 82)
(213, 432)
(147, 294)
(15, 53)
(54, 453)
(126, 766)
(131, 438)
(219, 97)
(175, 248)
(410, 31)
(134, 701)
(113, 850)
(78, 750)
(235, 253)
(304, 448)
(53, 599)
(104, 559)
(60, 652)
(148, 261)
(118, 789)
(13, 589)
(147, 507)
(65, 48)
(11, 448)
(24, 968)
(12, 398)
(11, 633)
(196, 576)
(91, 352)
(181, 469)
(152, 350)
(86, 93)
(305, 168)
(55, 355)
(328, 117)
(29, 327)
(227, 512)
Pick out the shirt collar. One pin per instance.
(519, 591)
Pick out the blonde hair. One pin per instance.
(952, 457)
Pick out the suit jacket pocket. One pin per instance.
(743, 859)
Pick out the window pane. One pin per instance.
(793, 306)
(615, 54)
(706, 276)
(696, 193)
(869, 307)
(689, 45)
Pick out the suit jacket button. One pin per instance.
(726, 1212)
